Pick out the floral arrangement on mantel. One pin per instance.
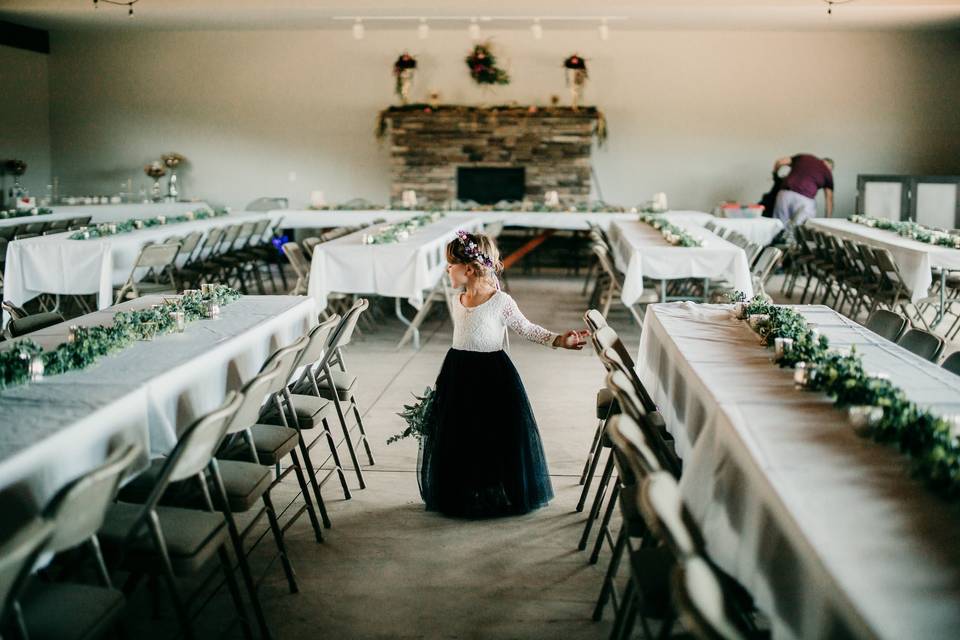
(105, 229)
(670, 232)
(399, 231)
(25, 213)
(86, 345)
(911, 230)
(879, 408)
(576, 76)
(483, 66)
(600, 131)
(403, 69)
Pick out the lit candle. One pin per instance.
(213, 309)
(180, 319)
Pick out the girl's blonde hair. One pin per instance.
(459, 252)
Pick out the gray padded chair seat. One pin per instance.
(346, 385)
(244, 482)
(65, 611)
(32, 323)
(192, 537)
(273, 444)
(311, 410)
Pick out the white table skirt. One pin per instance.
(828, 530)
(109, 212)
(761, 231)
(914, 258)
(56, 264)
(401, 269)
(640, 251)
(54, 430)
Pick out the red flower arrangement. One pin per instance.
(576, 62)
(483, 66)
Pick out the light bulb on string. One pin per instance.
(474, 29)
(536, 29)
(604, 30)
(423, 29)
(358, 30)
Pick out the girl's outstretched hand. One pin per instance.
(572, 340)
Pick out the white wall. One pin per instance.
(25, 117)
(699, 115)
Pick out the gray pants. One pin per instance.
(793, 209)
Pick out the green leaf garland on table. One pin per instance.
(92, 343)
(417, 416)
(107, 229)
(25, 213)
(910, 230)
(931, 441)
(673, 234)
(399, 231)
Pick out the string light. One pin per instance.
(119, 3)
(474, 29)
(536, 29)
(358, 29)
(604, 30)
(423, 31)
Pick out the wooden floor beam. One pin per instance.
(529, 246)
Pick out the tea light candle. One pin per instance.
(781, 347)
(138, 224)
(206, 288)
(36, 368)
(213, 309)
(72, 334)
(189, 215)
(112, 228)
(864, 416)
(317, 200)
(180, 319)
(162, 219)
(800, 375)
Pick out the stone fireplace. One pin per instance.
(489, 154)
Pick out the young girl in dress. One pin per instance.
(481, 455)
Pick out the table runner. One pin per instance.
(54, 430)
(828, 530)
(914, 258)
(58, 265)
(402, 269)
(640, 251)
(109, 212)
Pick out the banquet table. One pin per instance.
(759, 230)
(641, 252)
(60, 427)
(829, 531)
(56, 264)
(915, 259)
(328, 218)
(109, 212)
(560, 220)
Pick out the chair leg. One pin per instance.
(586, 485)
(611, 574)
(605, 523)
(346, 433)
(231, 581)
(245, 572)
(305, 490)
(597, 502)
(594, 448)
(183, 618)
(363, 432)
(332, 443)
(626, 606)
(281, 544)
(312, 474)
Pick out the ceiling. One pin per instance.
(635, 14)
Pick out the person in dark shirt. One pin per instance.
(796, 201)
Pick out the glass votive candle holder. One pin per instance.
(148, 330)
(72, 334)
(171, 302)
(740, 310)
(864, 416)
(190, 292)
(800, 375)
(112, 228)
(757, 318)
(162, 219)
(206, 288)
(138, 224)
(781, 347)
(35, 368)
(213, 309)
(179, 320)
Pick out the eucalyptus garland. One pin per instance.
(911, 230)
(106, 229)
(417, 416)
(932, 442)
(671, 233)
(25, 213)
(89, 344)
(399, 231)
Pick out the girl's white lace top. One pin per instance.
(481, 328)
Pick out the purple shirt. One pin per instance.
(808, 174)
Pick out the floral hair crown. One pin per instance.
(473, 251)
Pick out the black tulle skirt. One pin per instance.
(481, 455)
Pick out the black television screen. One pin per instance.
(489, 185)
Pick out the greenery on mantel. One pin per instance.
(475, 111)
(89, 344)
(932, 442)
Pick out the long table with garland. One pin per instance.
(830, 531)
(107, 212)
(56, 429)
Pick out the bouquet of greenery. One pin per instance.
(417, 416)
(483, 66)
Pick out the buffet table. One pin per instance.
(828, 530)
(109, 212)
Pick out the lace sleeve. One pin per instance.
(513, 318)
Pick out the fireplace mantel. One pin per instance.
(553, 144)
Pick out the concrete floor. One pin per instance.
(388, 569)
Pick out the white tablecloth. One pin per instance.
(914, 258)
(759, 230)
(573, 221)
(640, 251)
(109, 212)
(56, 264)
(828, 530)
(63, 426)
(401, 269)
(310, 219)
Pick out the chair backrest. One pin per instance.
(260, 231)
(78, 509)
(230, 236)
(309, 243)
(668, 518)
(17, 555)
(603, 256)
(288, 356)
(317, 340)
(923, 343)
(752, 250)
(887, 324)
(342, 334)
(13, 310)
(268, 204)
(710, 225)
(766, 263)
(211, 242)
(189, 244)
(297, 260)
(266, 382)
(157, 255)
(701, 603)
(22, 326)
(952, 363)
(651, 422)
(594, 320)
(627, 437)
